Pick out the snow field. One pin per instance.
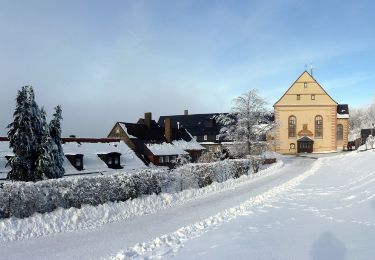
(171, 243)
(91, 217)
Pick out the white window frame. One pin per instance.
(217, 137)
(166, 159)
(205, 137)
(161, 159)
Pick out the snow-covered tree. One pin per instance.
(29, 136)
(55, 132)
(246, 124)
(21, 139)
(45, 163)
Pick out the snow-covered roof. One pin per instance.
(191, 145)
(339, 116)
(91, 160)
(165, 149)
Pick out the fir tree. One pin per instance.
(20, 136)
(55, 132)
(45, 164)
(25, 135)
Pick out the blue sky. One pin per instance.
(108, 61)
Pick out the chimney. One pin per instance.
(186, 112)
(148, 118)
(168, 129)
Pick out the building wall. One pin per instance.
(306, 115)
(345, 127)
(306, 99)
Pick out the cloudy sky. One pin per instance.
(108, 61)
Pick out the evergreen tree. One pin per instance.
(25, 135)
(45, 164)
(21, 138)
(55, 132)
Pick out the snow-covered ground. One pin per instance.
(303, 209)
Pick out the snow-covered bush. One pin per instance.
(22, 199)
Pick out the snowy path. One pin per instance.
(329, 215)
(112, 238)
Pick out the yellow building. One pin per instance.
(309, 120)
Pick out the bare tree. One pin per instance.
(247, 123)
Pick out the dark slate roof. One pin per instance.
(140, 131)
(156, 133)
(200, 124)
(196, 124)
(343, 109)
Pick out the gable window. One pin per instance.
(112, 159)
(313, 97)
(298, 97)
(205, 137)
(339, 132)
(76, 160)
(305, 84)
(292, 126)
(318, 127)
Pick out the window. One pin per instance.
(110, 161)
(298, 97)
(292, 146)
(166, 159)
(305, 84)
(173, 158)
(217, 138)
(78, 162)
(339, 132)
(313, 97)
(161, 159)
(318, 127)
(116, 160)
(292, 126)
(205, 137)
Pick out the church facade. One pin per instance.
(309, 120)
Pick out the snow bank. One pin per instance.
(22, 199)
(90, 217)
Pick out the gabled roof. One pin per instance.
(196, 124)
(307, 77)
(141, 131)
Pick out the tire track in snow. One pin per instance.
(171, 243)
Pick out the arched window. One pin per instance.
(292, 146)
(339, 132)
(318, 127)
(292, 126)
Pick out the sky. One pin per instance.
(109, 61)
